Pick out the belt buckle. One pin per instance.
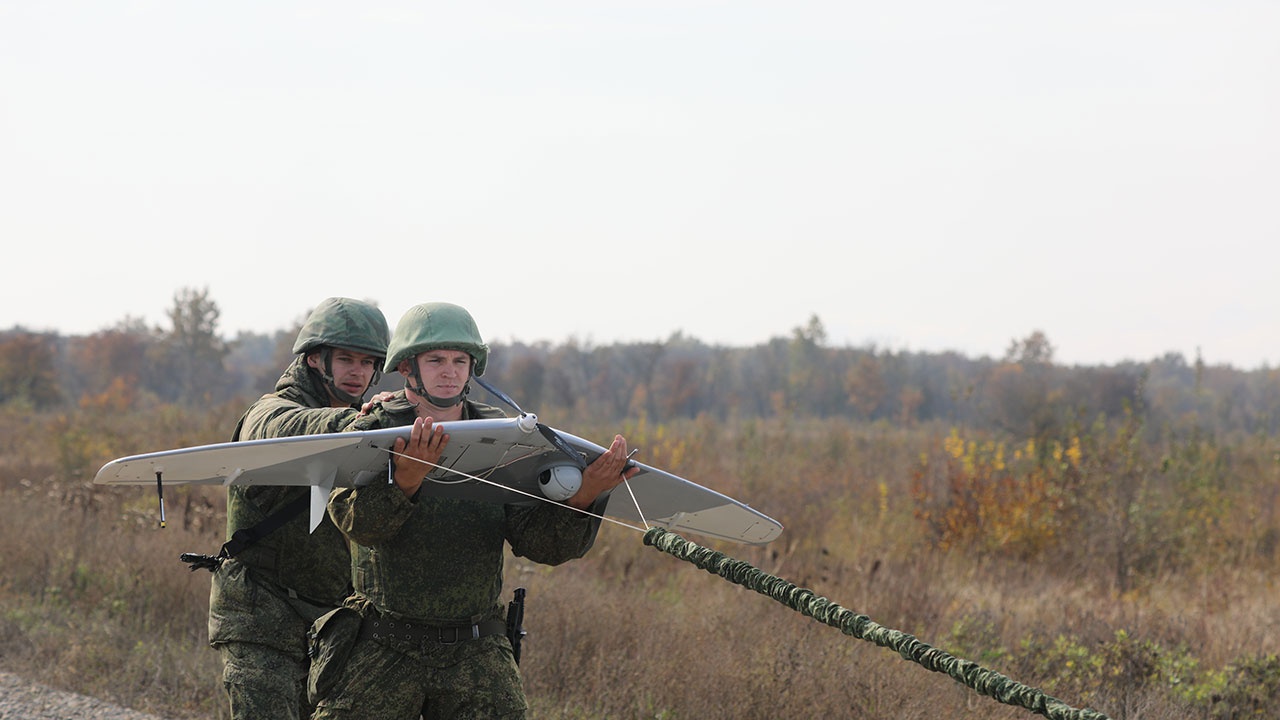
(456, 634)
(440, 635)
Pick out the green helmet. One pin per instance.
(345, 323)
(437, 326)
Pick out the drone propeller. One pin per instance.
(547, 432)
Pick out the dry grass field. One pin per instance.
(1137, 578)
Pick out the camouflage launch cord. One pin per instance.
(805, 602)
(984, 681)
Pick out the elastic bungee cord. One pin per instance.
(806, 602)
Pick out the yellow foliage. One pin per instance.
(1074, 454)
(953, 445)
(1001, 506)
(119, 397)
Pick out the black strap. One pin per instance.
(384, 629)
(243, 538)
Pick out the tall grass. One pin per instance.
(1160, 608)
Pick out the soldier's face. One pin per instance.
(352, 370)
(444, 372)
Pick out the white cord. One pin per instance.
(529, 494)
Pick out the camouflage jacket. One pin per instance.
(316, 566)
(439, 560)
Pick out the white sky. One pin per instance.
(922, 175)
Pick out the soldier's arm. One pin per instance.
(273, 417)
(372, 514)
(549, 533)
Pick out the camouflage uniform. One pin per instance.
(437, 562)
(264, 600)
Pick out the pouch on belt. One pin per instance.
(329, 642)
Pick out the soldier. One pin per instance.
(424, 633)
(274, 577)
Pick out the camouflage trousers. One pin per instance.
(261, 634)
(263, 682)
(466, 680)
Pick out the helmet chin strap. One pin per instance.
(439, 402)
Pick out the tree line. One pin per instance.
(1024, 393)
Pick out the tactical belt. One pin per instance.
(382, 629)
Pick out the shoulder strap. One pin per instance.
(243, 538)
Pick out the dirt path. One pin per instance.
(21, 699)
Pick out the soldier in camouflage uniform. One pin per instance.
(428, 570)
(265, 597)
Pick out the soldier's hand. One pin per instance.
(604, 473)
(379, 398)
(416, 456)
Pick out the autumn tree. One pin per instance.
(523, 373)
(1023, 398)
(864, 385)
(809, 382)
(110, 358)
(190, 355)
(612, 375)
(27, 371)
(255, 362)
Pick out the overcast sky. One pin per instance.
(921, 175)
